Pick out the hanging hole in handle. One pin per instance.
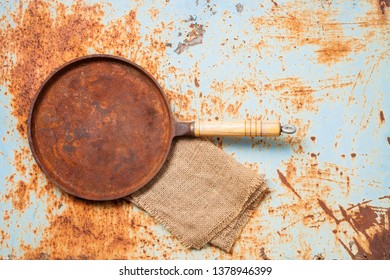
(288, 128)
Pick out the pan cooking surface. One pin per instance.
(100, 128)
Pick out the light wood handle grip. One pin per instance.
(249, 128)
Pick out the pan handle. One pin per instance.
(245, 128)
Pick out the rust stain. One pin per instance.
(295, 28)
(383, 4)
(336, 50)
(263, 254)
(364, 218)
(181, 100)
(154, 13)
(196, 82)
(254, 166)
(315, 183)
(6, 216)
(275, 4)
(327, 210)
(316, 179)
(20, 196)
(313, 138)
(319, 257)
(232, 109)
(41, 42)
(39, 52)
(295, 93)
(107, 234)
(4, 236)
(287, 184)
(381, 117)
(181, 103)
(371, 227)
(20, 190)
(353, 155)
(19, 158)
(90, 230)
(373, 224)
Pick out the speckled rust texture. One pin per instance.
(41, 43)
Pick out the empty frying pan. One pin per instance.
(100, 127)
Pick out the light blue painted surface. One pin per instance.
(353, 125)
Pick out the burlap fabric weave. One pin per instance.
(202, 195)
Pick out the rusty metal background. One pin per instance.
(322, 65)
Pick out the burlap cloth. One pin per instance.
(201, 194)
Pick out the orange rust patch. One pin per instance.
(294, 28)
(19, 157)
(6, 216)
(4, 236)
(219, 107)
(335, 50)
(180, 100)
(296, 94)
(39, 48)
(196, 82)
(181, 104)
(232, 109)
(92, 230)
(40, 43)
(11, 178)
(153, 13)
(20, 191)
(20, 196)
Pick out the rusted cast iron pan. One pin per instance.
(100, 127)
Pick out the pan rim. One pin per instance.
(39, 94)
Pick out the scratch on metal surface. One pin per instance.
(287, 184)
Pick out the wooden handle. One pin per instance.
(249, 128)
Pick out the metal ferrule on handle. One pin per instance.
(246, 128)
